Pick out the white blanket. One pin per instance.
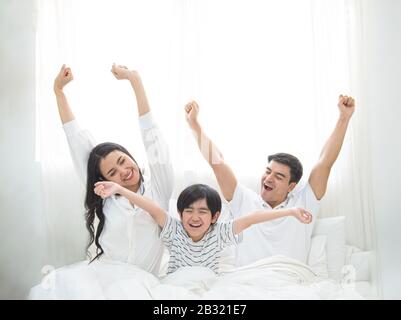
(271, 278)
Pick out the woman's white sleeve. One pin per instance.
(81, 144)
(161, 169)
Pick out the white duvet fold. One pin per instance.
(276, 278)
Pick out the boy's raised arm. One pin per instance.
(246, 221)
(105, 189)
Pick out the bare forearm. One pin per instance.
(208, 149)
(245, 222)
(333, 146)
(223, 173)
(64, 109)
(320, 173)
(140, 94)
(158, 214)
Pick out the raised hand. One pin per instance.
(63, 78)
(191, 113)
(302, 215)
(123, 73)
(346, 106)
(105, 189)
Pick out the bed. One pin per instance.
(334, 271)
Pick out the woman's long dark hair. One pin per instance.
(94, 203)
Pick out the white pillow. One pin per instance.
(334, 229)
(172, 208)
(317, 258)
(361, 262)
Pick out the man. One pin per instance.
(283, 172)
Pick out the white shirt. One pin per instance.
(130, 235)
(206, 252)
(284, 236)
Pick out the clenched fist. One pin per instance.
(346, 106)
(63, 78)
(123, 73)
(191, 113)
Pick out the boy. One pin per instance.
(198, 239)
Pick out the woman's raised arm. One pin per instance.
(80, 141)
(63, 78)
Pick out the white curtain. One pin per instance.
(339, 66)
(267, 75)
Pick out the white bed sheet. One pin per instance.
(272, 278)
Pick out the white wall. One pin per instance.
(383, 57)
(22, 243)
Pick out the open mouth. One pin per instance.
(267, 188)
(129, 176)
(194, 225)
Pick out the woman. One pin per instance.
(125, 234)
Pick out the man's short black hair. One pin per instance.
(197, 192)
(289, 160)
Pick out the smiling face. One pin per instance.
(118, 167)
(197, 218)
(275, 183)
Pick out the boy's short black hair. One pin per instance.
(197, 192)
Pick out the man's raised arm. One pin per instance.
(224, 175)
(320, 173)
